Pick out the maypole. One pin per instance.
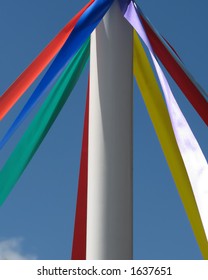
(110, 209)
(105, 196)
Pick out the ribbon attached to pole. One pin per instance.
(85, 25)
(160, 118)
(38, 129)
(191, 89)
(23, 82)
(80, 225)
(193, 158)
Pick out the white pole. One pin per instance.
(109, 212)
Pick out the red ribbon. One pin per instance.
(23, 82)
(80, 226)
(187, 86)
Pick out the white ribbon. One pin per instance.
(193, 157)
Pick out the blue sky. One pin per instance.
(37, 219)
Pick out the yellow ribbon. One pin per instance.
(161, 121)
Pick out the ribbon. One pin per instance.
(23, 82)
(160, 119)
(38, 129)
(86, 24)
(191, 89)
(80, 225)
(186, 141)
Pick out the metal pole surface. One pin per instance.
(109, 210)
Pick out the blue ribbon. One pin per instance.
(82, 30)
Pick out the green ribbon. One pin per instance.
(39, 127)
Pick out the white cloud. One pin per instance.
(11, 250)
